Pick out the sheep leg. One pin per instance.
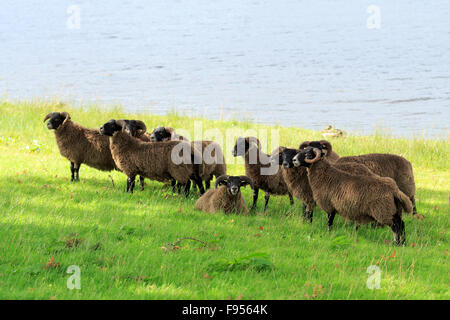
(413, 201)
(77, 171)
(304, 211)
(398, 227)
(266, 198)
(291, 199)
(130, 183)
(199, 183)
(207, 184)
(141, 179)
(330, 218)
(255, 198)
(72, 170)
(179, 185)
(187, 187)
(174, 183)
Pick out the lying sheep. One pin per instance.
(227, 198)
(80, 145)
(384, 165)
(296, 179)
(271, 183)
(358, 198)
(156, 161)
(213, 158)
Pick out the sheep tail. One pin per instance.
(403, 203)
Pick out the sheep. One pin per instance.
(227, 198)
(358, 198)
(384, 165)
(79, 144)
(295, 179)
(214, 160)
(156, 161)
(255, 161)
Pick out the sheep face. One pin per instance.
(160, 134)
(234, 183)
(307, 156)
(286, 158)
(241, 147)
(110, 127)
(56, 119)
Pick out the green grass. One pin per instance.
(125, 244)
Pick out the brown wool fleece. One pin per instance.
(358, 198)
(221, 199)
(296, 179)
(387, 165)
(150, 160)
(274, 184)
(84, 146)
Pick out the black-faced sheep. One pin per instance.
(79, 144)
(165, 161)
(259, 168)
(358, 198)
(227, 198)
(384, 165)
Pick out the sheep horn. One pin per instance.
(317, 152)
(326, 146)
(65, 115)
(304, 145)
(49, 116)
(140, 125)
(219, 180)
(121, 123)
(246, 181)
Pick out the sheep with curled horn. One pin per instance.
(257, 164)
(213, 159)
(80, 145)
(226, 196)
(382, 164)
(171, 160)
(296, 178)
(358, 198)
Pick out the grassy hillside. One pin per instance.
(121, 241)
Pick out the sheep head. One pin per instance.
(112, 126)
(243, 145)
(323, 145)
(307, 156)
(161, 134)
(56, 119)
(286, 156)
(234, 183)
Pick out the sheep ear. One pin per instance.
(223, 179)
(49, 116)
(247, 181)
(303, 145)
